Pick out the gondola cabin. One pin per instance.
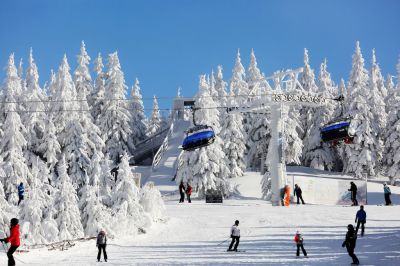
(336, 132)
(197, 137)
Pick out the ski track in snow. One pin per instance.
(193, 233)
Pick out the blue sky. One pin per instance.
(167, 44)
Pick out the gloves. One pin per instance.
(1, 240)
(343, 245)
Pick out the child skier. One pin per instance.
(101, 245)
(188, 192)
(21, 191)
(387, 193)
(13, 239)
(299, 243)
(235, 235)
(182, 192)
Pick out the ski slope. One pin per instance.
(192, 233)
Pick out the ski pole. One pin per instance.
(223, 241)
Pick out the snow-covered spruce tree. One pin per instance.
(76, 152)
(138, 126)
(361, 156)
(377, 96)
(155, 119)
(221, 87)
(50, 147)
(258, 133)
(152, 202)
(129, 212)
(232, 135)
(114, 121)
(210, 166)
(6, 209)
(307, 81)
(317, 154)
(389, 84)
(63, 99)
(13, 141)
(66, 205)
(238, 83)
(32, 212)
(106, 180)
(391, 157)
(35, 120)
(96, 100)
(83, 85)
(94, 215)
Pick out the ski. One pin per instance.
(236, 250)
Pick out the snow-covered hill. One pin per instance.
(193, 233)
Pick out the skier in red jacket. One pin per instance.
(13, 239)
(188, 192)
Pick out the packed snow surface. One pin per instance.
(194, 234)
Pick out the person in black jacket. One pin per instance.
(298, 194)
(353, 189)
(350, 243)
(182, 192)
(101, 244)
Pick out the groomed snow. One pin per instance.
(193, 233)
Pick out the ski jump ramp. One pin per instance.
(165, 162)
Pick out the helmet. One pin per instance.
(14, 221)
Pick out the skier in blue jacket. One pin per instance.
(21, 191)
(361, 218)
(387, 192)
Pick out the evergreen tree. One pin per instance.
(392, 146)
(114, 121)
(138, 126)
(13, 141)
(96, 100)
(238, 84)
(220, 87)
(155, 119)
(50, 147)
(361, 156)
(317, 154)
(66, 205)
(64, 99)
(209, 166)
(390, 92)
(234, 148)
(307, 81)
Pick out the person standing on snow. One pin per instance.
(13, 239)
(361, 218)
(350, 243)
(353, 189)
(182, 192)
(21, 191)
(298, 194)
(101, 245)
(299, 243)
(387, 193)
(235, 235)
(188, 192)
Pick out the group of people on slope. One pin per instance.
(285, 195)
(183, 191)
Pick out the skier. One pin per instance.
(353, 189)
(299, 243)
(182, 192)
(21, 191)
(13, 239)
(387, 193)
(101, 245)
(114, 172)
(188, 192)
(235, 235)
(361, 218)
(298, 194)
(350, 243)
